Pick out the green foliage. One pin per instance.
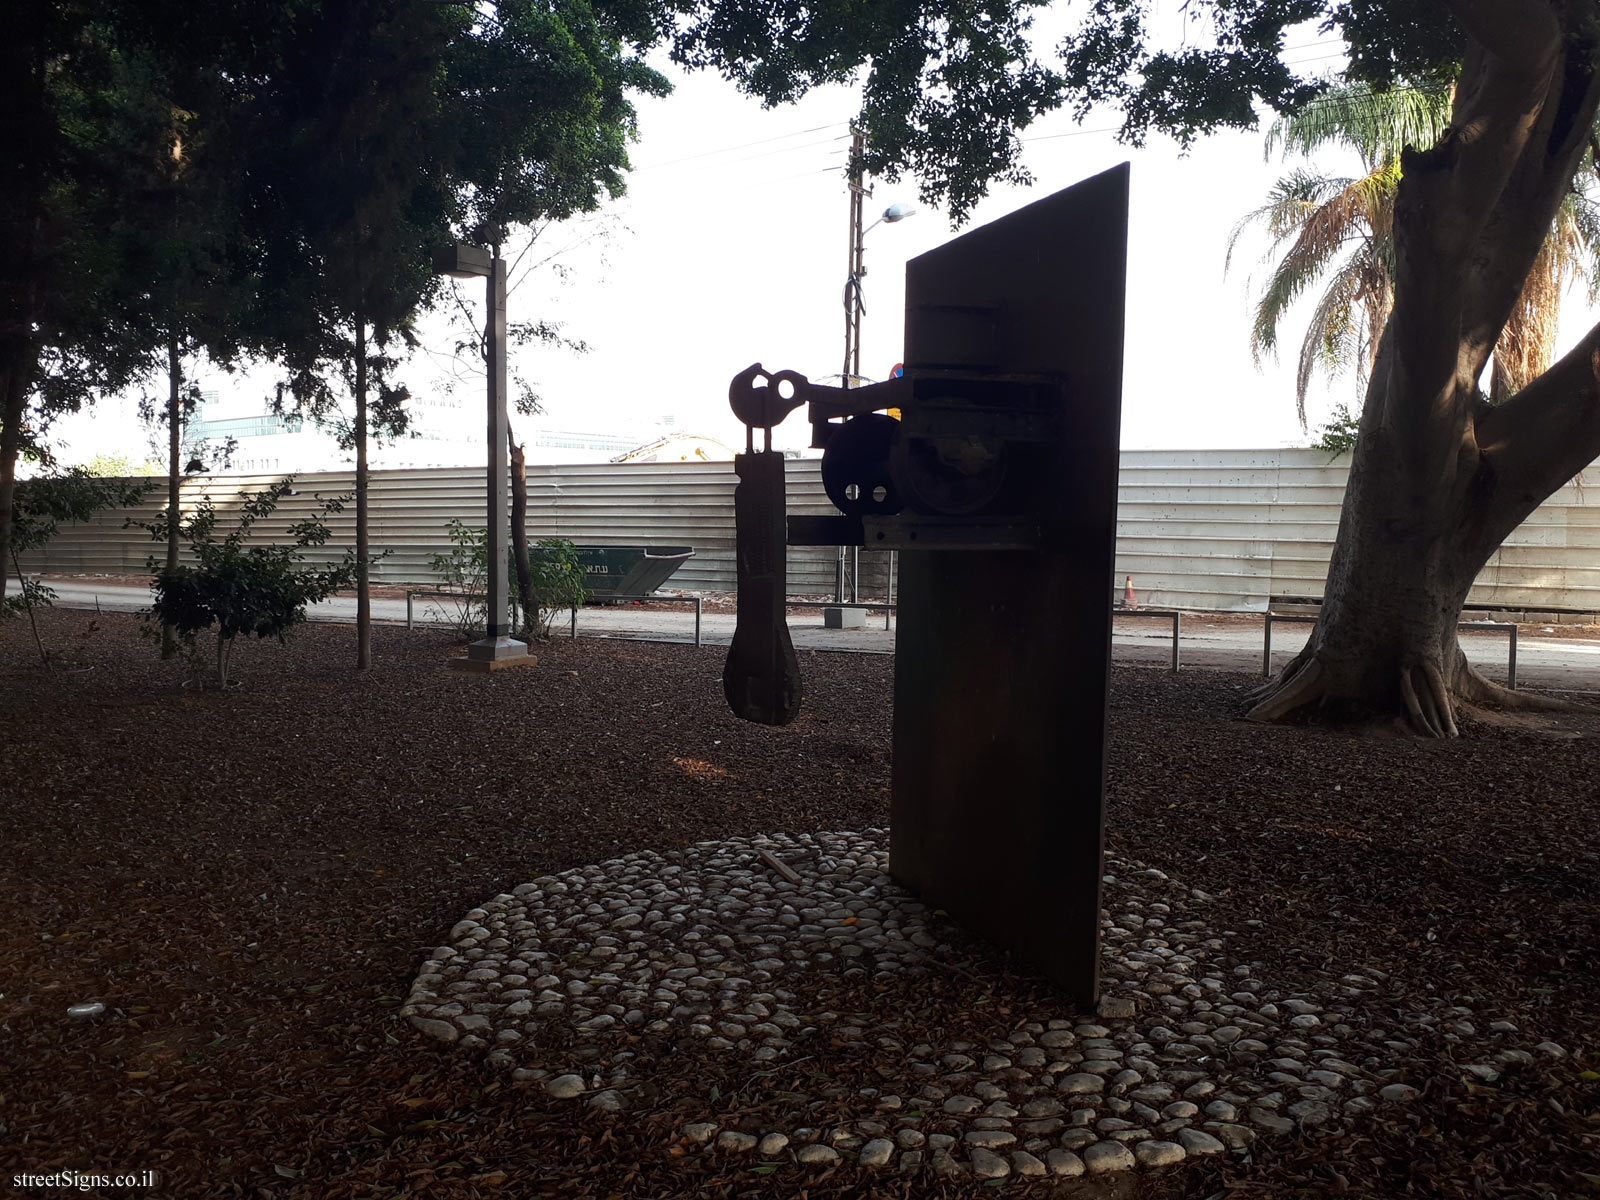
(1337, 233)
(1339, 435)
(1335, 236)
(43, 505)
(39, 508)
(241, 588)
(947, 90)
(557, 578)
(74, 133)
(464, 570)
(120, 466)
(558, 582)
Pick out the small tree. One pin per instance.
(261, 590)
(558, 583)
(464, 570)
(553, 581)
(40, 507)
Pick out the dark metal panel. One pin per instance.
(1002, 656)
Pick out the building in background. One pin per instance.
(237, 438)
(233, 437)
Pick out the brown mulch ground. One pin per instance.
(249, 879)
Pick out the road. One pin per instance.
(1545, 658)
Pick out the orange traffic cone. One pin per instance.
(1129, 600)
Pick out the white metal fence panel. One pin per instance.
(1235, 529)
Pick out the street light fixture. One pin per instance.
(497, 649)
(895, 212)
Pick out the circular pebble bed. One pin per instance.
(1191, 1054)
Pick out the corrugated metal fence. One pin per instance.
(1209, 529)
(617, 504)
(1239, 529)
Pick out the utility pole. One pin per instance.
(497, 648)
(853, 308)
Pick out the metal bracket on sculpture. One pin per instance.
(762, 399)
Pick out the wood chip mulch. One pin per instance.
(249, 879)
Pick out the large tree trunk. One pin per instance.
(1439, 476)
(519, 536)
(169, 640)
(363, 591)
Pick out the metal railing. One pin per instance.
(1161, 614)
(697, 601)
(446, 593)
(886, 608)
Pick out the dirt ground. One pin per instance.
(248, 881)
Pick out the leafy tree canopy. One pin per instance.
(948, 88)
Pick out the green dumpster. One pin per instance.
(628, 572)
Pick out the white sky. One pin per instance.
(736, 251)
(731, 248)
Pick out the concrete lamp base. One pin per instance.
(494, 654)
(844, 618)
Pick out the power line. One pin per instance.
(672, 162)
(1314, 58)
(1050, 137)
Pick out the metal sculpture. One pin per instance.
(998, 486)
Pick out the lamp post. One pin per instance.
(498, 648)
(853, 307)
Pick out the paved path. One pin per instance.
(1545, 660)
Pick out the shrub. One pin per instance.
(247, 589)
(558, 582)
(1339, 434)
(40, 507)
(554, 569)
(465, 570)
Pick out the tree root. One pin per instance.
(1476, 689)
(1294, 666)
(1430, 702)
(1429, 705)
(1288, 692)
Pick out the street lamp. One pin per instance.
(497, 649)
(853, 307)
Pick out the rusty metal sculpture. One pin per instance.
(998, 486)
(761, 678)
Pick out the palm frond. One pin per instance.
(1377, 125)
(1292, 201)
(1339, 331)
(1325, 233)
(1579, 217)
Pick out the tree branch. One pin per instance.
(1452, 221)
(1540, 438)
(1519, 33)
(1520, 219)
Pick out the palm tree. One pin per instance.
(1339, 234)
